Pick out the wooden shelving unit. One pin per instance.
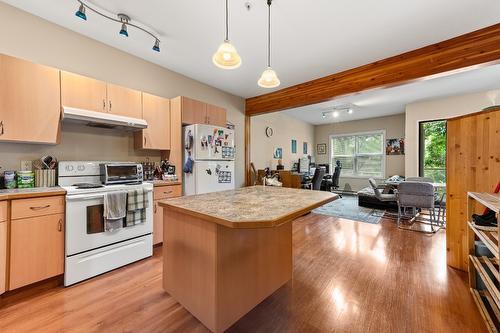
(487, 298)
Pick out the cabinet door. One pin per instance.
(30, 103)
(83, 92)
(216, 115)
(156, 111)
(36, 249)
(193, 111)
(176, 148)
(124, 101)
(157, 223)
(3, 255)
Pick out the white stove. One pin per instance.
(89, 249)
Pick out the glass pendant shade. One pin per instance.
(226, 56)
(269, 79)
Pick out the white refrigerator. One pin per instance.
(211, 151)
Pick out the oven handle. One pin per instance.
(81, 197)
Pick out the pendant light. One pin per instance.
(226, 56)
(269, 79)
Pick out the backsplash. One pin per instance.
(78, 143)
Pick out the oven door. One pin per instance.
(85, 224)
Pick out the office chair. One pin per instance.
(336, 177)
(315, 183)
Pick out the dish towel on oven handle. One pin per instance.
(115, 209)
(137, 202)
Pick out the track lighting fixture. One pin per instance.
(226, 56)
(269, 78)
(81, 12)
(123, 19)
(337, 110)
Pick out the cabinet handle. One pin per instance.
(168, 192)
(110, 105)
(59, 225)
(39, 207)
(104, 104)
(144, 140)
(1, 127)
(155, 208)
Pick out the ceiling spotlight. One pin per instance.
(350, 111)
(335, 114)
(156, 47)
(324, 115)
(124, 19)
(81, 12)
(123, 30)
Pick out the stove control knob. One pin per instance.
(81, 167)
(69, 168)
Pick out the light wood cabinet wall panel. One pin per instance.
(124, 101)
(30, 101)
(24, 208)
(36, 249)
(83, 92)
(3, 211)
(473, 164)
(216, 115)
(156, 112)
(193, 111)
(176, 148)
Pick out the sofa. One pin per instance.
(367, 198)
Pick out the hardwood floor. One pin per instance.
(348, 277)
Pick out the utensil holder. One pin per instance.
(45, 178)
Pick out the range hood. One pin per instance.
(101, 119)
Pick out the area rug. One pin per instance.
(347, 207)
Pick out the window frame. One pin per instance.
(356, 134)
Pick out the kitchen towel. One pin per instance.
(137, 202)
(115, 209)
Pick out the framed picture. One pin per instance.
(278, 153)
(321, 148)
(294, 146)
(395, 146)
(304, 148)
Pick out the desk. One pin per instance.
(288, 178)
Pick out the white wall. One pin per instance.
(285, 129)
(440, 109)
(394, 127)
(32, 38)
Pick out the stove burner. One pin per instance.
(87, 185)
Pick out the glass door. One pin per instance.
(432, 150)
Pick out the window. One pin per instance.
(432, 150)
(361, 155)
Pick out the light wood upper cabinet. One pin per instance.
(193, 111)
(175, 154)
(83, 92)
(29, 101)
(156, 112)
(216, 115)
(3, 246)
(124, 101)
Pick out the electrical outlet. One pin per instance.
(26, 165)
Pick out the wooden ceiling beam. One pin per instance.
(472, 50)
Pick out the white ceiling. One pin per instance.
(311, 39)
(384, 102)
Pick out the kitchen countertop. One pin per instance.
(158, 182)
(250, 207)
(22, 193)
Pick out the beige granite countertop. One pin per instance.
(22, 193)
(250, 207)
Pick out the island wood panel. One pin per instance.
(30, 102)
(83, 92)
(124, 101)
(219, 274)
(473, 165)
(3, 246)
(471, 49)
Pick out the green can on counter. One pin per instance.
(25, 179)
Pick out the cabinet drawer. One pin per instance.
(3, 211)
(24, 208)
(165, 192)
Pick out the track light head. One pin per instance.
(156, 47)
(350, 111)
(324, 115)
(124, 19)
(123, 30)
(81, 12)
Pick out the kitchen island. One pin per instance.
(225, 252)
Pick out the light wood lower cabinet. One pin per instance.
(3, 246)
(36, 242)
(30, 101)
(161, 193)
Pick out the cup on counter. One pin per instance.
(10, 179)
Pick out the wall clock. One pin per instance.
(269, 132)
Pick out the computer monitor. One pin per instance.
(304, 165)
(326, 166)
